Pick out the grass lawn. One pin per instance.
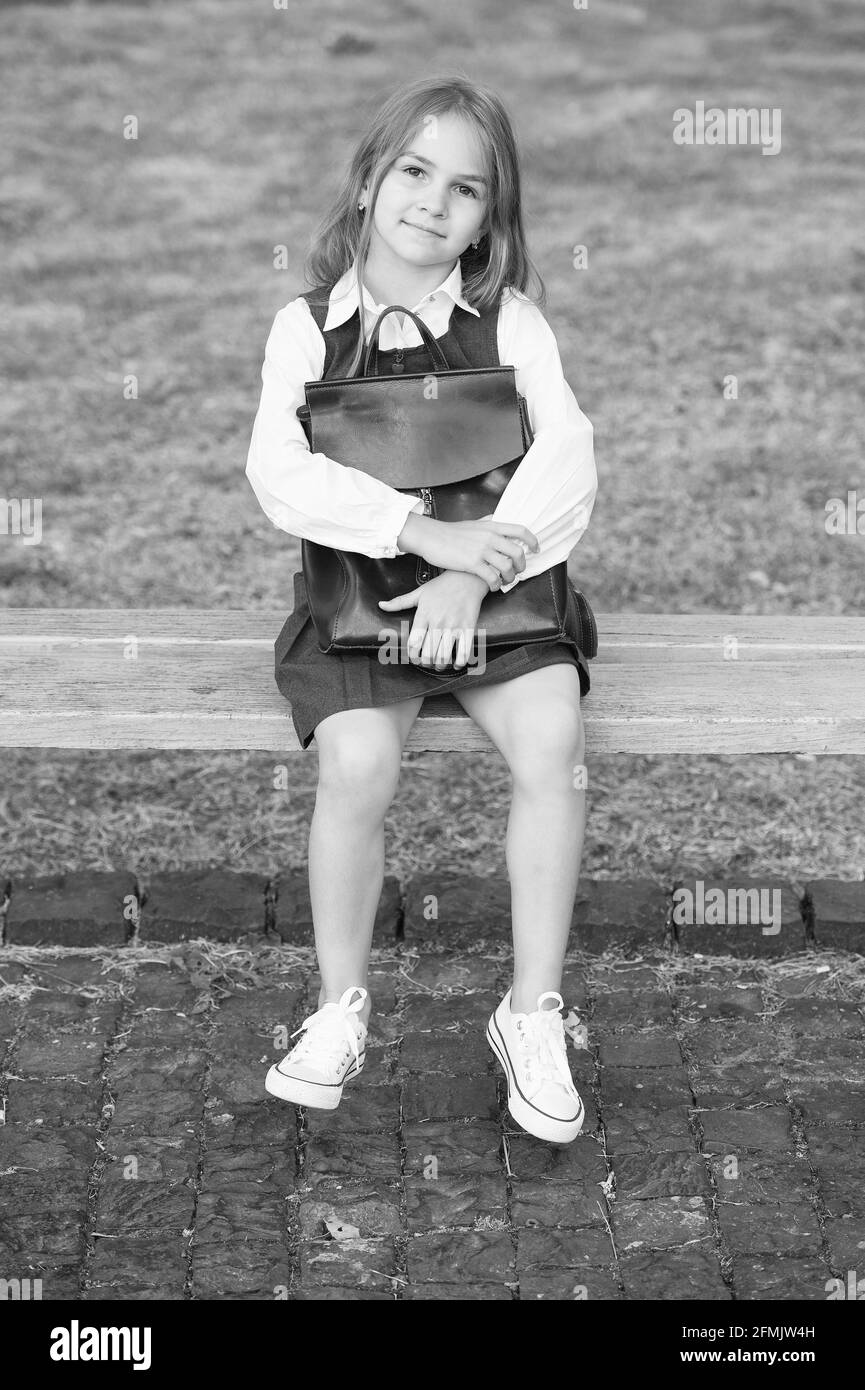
(154, 258)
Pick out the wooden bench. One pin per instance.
(166, 678)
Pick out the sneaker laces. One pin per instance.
(328, 1030)
(542, 1036)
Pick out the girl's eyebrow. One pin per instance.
(458, 178)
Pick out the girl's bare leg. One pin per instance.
(536, 723)
(360, 752)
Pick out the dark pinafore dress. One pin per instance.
(320, 683)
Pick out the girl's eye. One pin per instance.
(468, 189)
(412, 169)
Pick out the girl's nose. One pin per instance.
(432, 203)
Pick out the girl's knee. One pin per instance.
(552, 747)
(362, 770)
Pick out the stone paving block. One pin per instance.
(640, 1050)
(151, 1160)
(727, 1131)
(842, 1189)
(841, 1060)
(684, 1275)
(352, 1155)
(781, 1278)
(339, 1295)
(662, 1087)
(581, 1161)
(711, 1045)
(130, 1291)
(155, 1263)
(162, 986)
(829, 1105)
(81, 908)
(136, 1206)
(540, 1202)
(217, 903)
(350, 1264)
(635, 1131)
(229, 1269)
(157, 1068)
(292, 910)
(269, 1125)
(581, 1286)
(558, 1250)
(431, 1052)
(461, 1257)
(759, 917)
(846, 1237)
(62, 1055)
(660, 1222)
(660, 1175)
(708, 1004)
(456, 910)
(455, 1202)
(449, 974)
(75, 1100)
(239, 1081)
(770, 1228)
(836, 1147)
(260, 1011)
(631, 1009)
(370, 1110)
(144, 1114)
(46, 1279)
(451, 1149)
(822, 1018)
(760, 1177)
(838, 909)
(239, 1212)
(620, 912)
(456, 1015)
(470, 1293)
(46, 1233)
(268, 1169)
(373, 1208)
(437, 1097)
(738, 1085)
(31, 1150)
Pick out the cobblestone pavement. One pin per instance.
(141, 1158)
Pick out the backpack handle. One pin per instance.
(430, 343)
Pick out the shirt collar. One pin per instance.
(343, 297)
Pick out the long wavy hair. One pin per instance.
(501, 258)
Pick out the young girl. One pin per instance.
(429, 217)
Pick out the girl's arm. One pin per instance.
(553, 490)
(310, 495)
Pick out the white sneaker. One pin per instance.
(532, 1049)
(330, 1053)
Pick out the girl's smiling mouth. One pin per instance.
(428, 231)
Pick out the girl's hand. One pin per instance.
(494, 551)
(446, 617)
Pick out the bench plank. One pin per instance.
(204, 679)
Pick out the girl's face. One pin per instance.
(432, 202)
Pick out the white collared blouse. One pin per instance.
(317, 498)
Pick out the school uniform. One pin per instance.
(552, 491)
